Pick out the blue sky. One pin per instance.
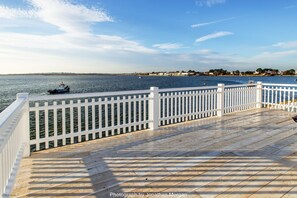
(146, 35)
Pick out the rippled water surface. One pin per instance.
(39, 84)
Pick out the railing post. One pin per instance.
(25, 123)
(220, 99)
(154, 108)
(259, 95)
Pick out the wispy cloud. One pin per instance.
(213, 36)
(209, 3)
(68, 17)
(10, 13)
(269, 57)
(74, 21)
(197, 25)
(74, 44)
(168, 46)
(289, 44)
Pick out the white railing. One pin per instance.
(45, 122)
(67, 119)
(73, 118)
(239, 98)
(14, 129)
(183, 104)
(280, 96)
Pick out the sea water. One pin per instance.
(40, 84)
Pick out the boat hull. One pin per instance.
(57, 91)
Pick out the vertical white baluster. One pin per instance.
(175, 113)
(278, 99)
(269, 91)
(134, 112)
(112, 114)
(231, 100)
(93, 118)
(71, 122)
(118, 113)
(46, 125)
(265, 96)
(236, 99)
(124, 114)
(55, 124)
(140, 111)
(159, 108)
(63, 124)
(206, 103)
(37, 126)
(171, 107)
(100, 116)
(162, 106)
(293, 98)
(190, 105)
(129, 113)
(199, 103)
(86, 104)
(106, 116)
(187, 106)
(285, 97)
(167, 108)
(289, 99)
(79, 119)
(145, 108)
(181, 106)
(184, 103)
(211, 102)
(177, 107)
(203, 104)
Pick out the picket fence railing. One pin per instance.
(36, 123)
(280, 96)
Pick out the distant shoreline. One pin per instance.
(61, 74)
(128, 74)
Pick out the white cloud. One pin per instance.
(209, 3)
(213, 36)
(60, 42)
(268, 56)
(75, 21)
(10, 13)
(197, 25)
(290, 44)
(74, 48)
(168, 46)
(68, 17)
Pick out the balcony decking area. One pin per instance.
(251, 153)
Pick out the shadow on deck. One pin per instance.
(251, 153)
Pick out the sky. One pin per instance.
(122, 36)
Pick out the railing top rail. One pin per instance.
(280, 85)
(201, 88)
(10, 110)
(241, 85)
(87, 95)
(187, 88)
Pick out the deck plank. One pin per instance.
(240, 154)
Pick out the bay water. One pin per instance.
(10, 85)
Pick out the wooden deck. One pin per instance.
(246, 154)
